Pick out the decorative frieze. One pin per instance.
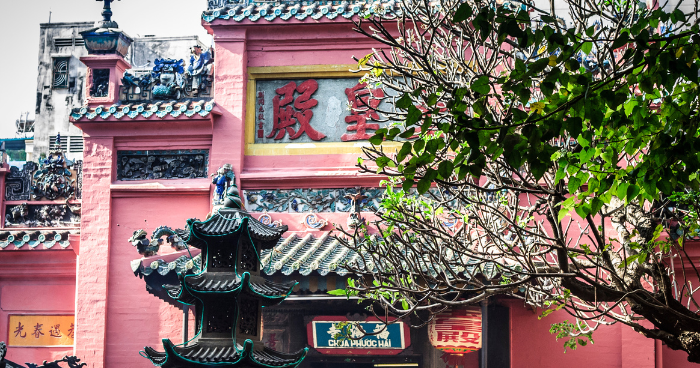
(26, 215)
(167, 164)
(312, 200)
(53, 178)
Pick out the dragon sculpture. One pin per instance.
(149, 247)
(72, 361)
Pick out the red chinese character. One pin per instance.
(261, 94)
(448, 336)
(362, 109)
(285, 116)
(18, 331)
(37, 331)
(70, 331)
(54, 331)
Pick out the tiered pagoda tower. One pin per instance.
(228, 294)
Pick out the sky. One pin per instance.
(19, 25)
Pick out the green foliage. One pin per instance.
(572, 334)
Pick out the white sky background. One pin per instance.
(19, 27)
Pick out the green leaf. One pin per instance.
(424, 185)
(632, 192)
(596, 205)
(407, 185)
(463, 12)
(413, 115)
(376, 139)
(481, 85)
(622, 190)
(587, 47)
(445, 169)
(574, 184)
(338, 292)
(404, 102)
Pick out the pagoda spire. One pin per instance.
(228, 294)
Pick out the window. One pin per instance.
(72, 143)
(60, 72)
(68, 42)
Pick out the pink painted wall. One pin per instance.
(35, 282)
(135, 317)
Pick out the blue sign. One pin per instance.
(346, 335)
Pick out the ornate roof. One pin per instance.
(160, 109)
(216, 354)
(288, 10)
(307, 254)
(226, 221)
(216, 283)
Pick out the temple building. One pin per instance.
(239, 160)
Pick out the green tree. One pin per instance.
(555, 145)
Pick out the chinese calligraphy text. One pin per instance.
(40, 330)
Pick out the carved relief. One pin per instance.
(306, 200)
(53, 178)
(50, 215)
(148, 165)
(18, 183)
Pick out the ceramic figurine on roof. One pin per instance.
(222, 179)
(167, 74)
(169, 80)
(200, 67)
(228, 293)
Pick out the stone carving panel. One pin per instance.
(18, 183)
(50, 215)
(170, 164)
(311, 200)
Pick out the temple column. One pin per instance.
(92, 281)
(230, 90)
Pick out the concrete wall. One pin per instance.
(55, 104)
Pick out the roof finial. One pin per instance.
(107, 15)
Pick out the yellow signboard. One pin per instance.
(41, 330)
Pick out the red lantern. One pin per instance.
(456, 331)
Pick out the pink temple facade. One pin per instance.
(272, 115)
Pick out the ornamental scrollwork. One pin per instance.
(18, 183)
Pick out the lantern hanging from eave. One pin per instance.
(456, 331)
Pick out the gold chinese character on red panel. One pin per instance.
(41, 330)
(456, 331)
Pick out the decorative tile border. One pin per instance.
(132, 111)
(253, 11)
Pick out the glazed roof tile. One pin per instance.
(221, 355)
(290, 10)
(161, 109)
(223, 282)
(307, 254)
(226, 221)
(32, 239)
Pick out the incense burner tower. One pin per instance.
(228, 294)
